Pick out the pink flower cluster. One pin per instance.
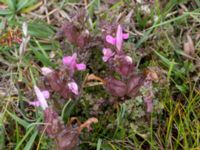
(118, 40)
(123, 64)
(130, 82)
(71, 65)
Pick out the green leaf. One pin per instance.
(41, 57)
(29, 130)
(25, 136)
(198, 2)
(19, 120)
(11, 5)
(2, 135)
(182, 88)
(166, 61)
(24, 3)
(40, 29)
(5, 12)
(2, 138)
(29, 144)
(31, 8)
(99, 144)
(64, 108)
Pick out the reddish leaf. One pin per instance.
(124, 66)
(58, 81)
(74, 35)
(189, 48)
(66, 137)
(134, 84)
(115, 87)
(53, 124)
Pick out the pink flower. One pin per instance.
(118, 40)
(46, 94)
(41, 98)
(73, 87)
(107, 52)
(71, 63)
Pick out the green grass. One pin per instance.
(175, 122)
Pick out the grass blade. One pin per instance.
(19, 120)
(11, 5)
(99, 144)
(29, 144)
(25, 136)
(24, 3)
(2, 139)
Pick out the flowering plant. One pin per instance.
(130, 81)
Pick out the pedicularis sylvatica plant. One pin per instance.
(123, 82)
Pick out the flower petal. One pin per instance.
(73, 87)
(107, 52)
(67, 60)
(74, 56)
(70, 60)
(41, 98)
(35, 103)
(105, 58)
(46, 94)
(110, 39)
(128, 59)
(81, 66)
(46, 71)
(119, 38)
(125, 36)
